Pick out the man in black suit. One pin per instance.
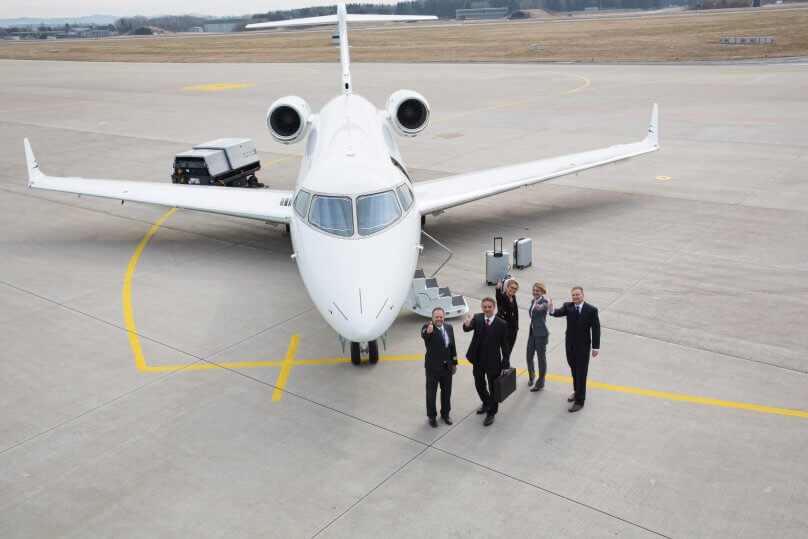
(583, 335)
(440, 364)
(490, 338)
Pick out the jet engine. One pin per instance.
(409, 112)
(288, 119)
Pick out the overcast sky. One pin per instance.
(13, 9)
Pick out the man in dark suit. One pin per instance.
(583, 335)
(489, 353)
(537, 338)
(440, 364)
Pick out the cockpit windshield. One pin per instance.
(375, 212)
(332, 214)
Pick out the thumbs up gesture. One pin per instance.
(550, 304)
(467, 321)
(429, 328)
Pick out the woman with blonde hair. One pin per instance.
(507, 309)
(537, 338)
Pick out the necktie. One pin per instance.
(487, 322)
(532, 304)
(578, 308)
(445, 336)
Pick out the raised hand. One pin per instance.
(499, 285)
(550, 304)
(467, 321)
(429, 328)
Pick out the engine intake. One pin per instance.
(288, 119)
(409, 112)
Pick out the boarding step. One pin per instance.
(425, 295)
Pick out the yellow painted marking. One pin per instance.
(140, 361)
(290, 361)
(285, 368)
(663, 178)
(218, 86)
(285, 158)
(518, 102)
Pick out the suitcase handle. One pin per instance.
(497, 252)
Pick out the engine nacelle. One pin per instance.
(288, 119)
(409, 112)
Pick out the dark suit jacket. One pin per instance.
(580, 327)
(486, 344)
(436, 350)
(538, 318)
(508, 311)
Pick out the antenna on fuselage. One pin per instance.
(344, 56)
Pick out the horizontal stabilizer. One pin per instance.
(333, 19)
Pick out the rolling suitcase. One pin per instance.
(504, 385)
(497, 264)
(522, 253)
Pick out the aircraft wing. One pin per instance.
(440, 194)
(263, 204)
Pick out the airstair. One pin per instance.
(425, 294)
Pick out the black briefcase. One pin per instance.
(504, 385)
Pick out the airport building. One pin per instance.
(481, 13)
(222, 25)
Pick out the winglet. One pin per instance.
(34, 173)
(653, 127)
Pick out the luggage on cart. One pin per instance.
(522, 253)
(497, 264)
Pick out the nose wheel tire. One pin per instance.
(373, 352)
(356, 357)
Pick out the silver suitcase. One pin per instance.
(522, 253)
(497, 264)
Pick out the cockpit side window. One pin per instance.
(375, 212)
(332, 214)
(302, 203)
(404, 196)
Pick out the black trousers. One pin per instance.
(486, 393)
(578, 360)
(512, 338)
(433, 380)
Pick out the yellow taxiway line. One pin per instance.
(290, 361)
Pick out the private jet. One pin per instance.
(354, 216)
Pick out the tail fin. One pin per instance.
(344, 57)
(342, 18)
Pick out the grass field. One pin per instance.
(680, 36)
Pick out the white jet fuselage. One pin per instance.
(359, 282)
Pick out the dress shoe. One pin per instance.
(447, 419)
(571, 398)
(575, 407)
(530, 381)
(482, 409)
(433, 423)
(537, 387)
(489, 420)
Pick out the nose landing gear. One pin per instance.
(368, 350)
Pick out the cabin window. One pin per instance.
(375, 212)
(404, 196)
(302, 203)
(332, 214)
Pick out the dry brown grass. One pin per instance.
(694, 36)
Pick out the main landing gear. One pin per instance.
(369, 350)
